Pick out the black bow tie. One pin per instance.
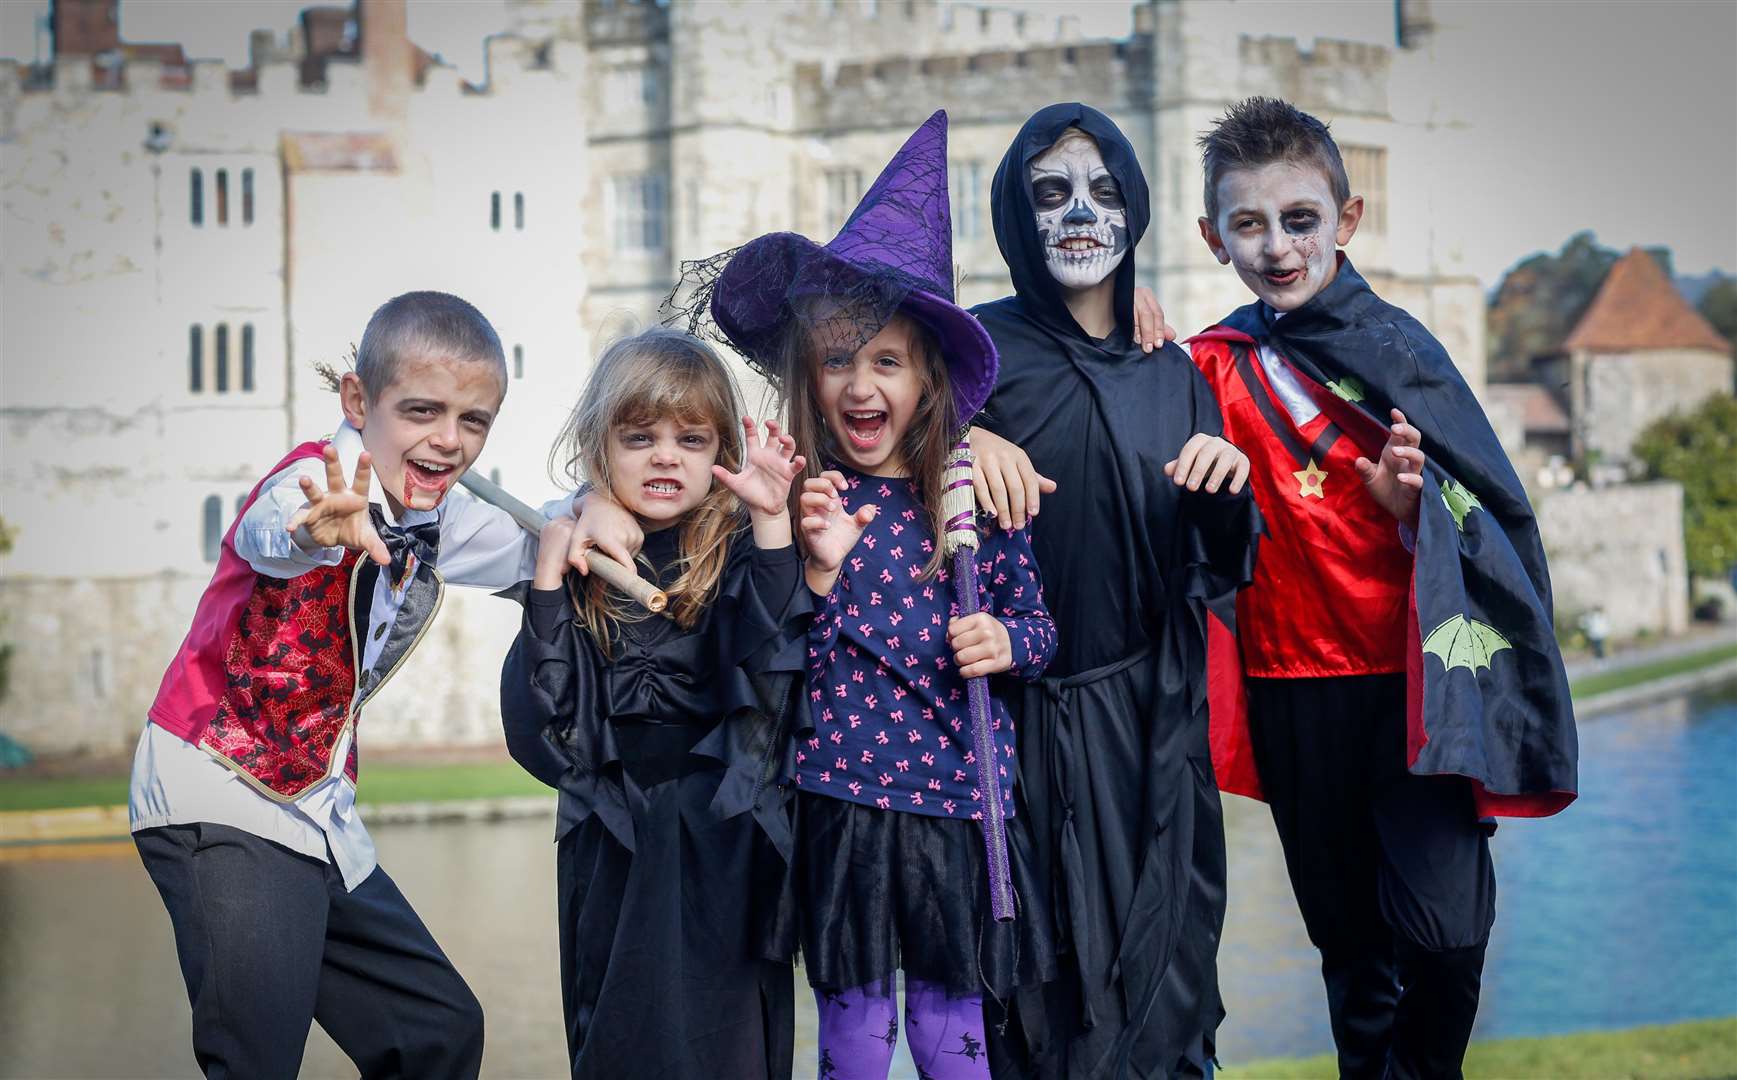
(404, 541)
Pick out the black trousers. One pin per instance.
(1391, 871)
(269, 941)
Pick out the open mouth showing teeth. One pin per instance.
(430, 473)
(663, 487)
(865, 426)
(1079, 243)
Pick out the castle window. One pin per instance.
(843, 188)
(518, 361)
(495, 211)
(221, 382)
(247, 196)
(196, 197)
(639, 210)
(1366, 169)
(213, 527)
(648, 86)
(518, 210)
(195, 358)
(223, 196)
(247, 358)
(968, 191)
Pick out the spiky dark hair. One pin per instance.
(1261, 130)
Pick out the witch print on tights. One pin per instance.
(891, 728)
(859, 1031)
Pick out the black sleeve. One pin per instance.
(538, 684)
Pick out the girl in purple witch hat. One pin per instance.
(896, 865)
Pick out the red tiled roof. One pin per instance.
(1637, 307)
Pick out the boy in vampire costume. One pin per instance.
(1152, 528)
(1395, 681)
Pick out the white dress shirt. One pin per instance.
(176, 782)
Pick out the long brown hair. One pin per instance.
(926, 444)
(655, 375)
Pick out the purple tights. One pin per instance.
(860, 1027)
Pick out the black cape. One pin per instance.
(673, 833)
(1116, 778)
(1488, 695)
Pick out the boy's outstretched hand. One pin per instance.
(1150, 329)
(1205, 462)
(828, 532)
(1396, 481)
(338, 516)
(768, 468)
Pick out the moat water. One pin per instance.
(1620, 911)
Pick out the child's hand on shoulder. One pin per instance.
(1150, 329)
(980, 645)
(828, 531)
(1205, 462)
(768, 468)
(1396, 480)
(553, 544)
(604, 526)
(338, 516)
(1007, 484)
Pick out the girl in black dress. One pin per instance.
(664, 733)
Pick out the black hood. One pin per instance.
(1016, 219)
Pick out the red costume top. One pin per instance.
(1332, 585)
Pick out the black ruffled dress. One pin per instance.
(673, 831)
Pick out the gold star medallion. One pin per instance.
(1311, 481)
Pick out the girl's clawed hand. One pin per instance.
(768, 468)
(828, 531)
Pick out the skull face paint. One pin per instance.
(1082, 221)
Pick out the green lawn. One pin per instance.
(1616, 680)
(1700, 1050)
(380, 784)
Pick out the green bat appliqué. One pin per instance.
(1348, 388)
(1463, 642)
(1460, 502)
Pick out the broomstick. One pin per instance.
(622, 578)
(959, 542)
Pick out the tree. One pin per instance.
(1540, 300)
(1699, 451)
(1719, 305)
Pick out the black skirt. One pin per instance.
(663, 948)
(879, 891)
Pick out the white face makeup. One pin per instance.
(1082, 221)
(1277, 224)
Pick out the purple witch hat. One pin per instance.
(894, 254)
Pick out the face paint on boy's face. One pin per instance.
(427, 427)
(1082, 221)
(1277, 225)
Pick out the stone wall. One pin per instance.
(1616, 396)
(1620, 547)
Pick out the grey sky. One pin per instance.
(1618, 117)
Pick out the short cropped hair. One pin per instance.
(1259, 131)
(424, 324)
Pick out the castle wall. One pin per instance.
(1621, 548)
(366, 184)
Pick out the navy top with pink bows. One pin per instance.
(891, 725)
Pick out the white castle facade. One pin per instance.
(181, 244)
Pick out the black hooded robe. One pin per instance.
(1116, 775)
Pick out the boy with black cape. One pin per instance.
(1116, 775)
